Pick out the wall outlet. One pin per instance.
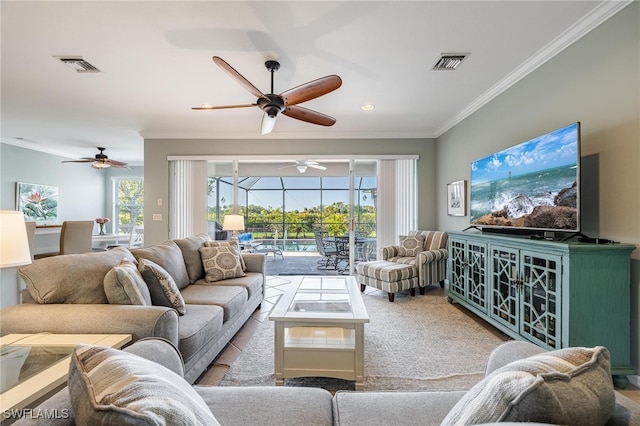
(157, 216)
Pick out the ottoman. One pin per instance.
(388, 276)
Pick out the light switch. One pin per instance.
(157, 216)
(159, 202)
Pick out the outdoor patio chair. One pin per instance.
(327, 250)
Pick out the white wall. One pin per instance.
(595, 81)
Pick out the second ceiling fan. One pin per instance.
(286, 102)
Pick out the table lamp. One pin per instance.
(14, 244)
(233, 223)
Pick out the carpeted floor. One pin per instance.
(415, 343)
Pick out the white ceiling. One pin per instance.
(155, 58)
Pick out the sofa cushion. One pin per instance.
(233, 243)
(163, 290)
(410, 245)
(169, 256)
(111, 387)
(191, 255)
(567, 386)
(252, 281)
(124, 285)
(72, 278)
(232, 299)
(198, 328)
(221, 262)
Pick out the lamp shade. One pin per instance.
(14, 245)
(233, 222)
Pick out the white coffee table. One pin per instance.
(319, 329)
(48, 365)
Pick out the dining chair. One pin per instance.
(75, 236)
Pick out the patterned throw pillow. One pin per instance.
(567, 386)
(221, 262)
(410, 245)
(111, 387)
(163, 290)
(225, 244)
(124, 285)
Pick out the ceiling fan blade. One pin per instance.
(238, 77)
(209, 107)
(267, 124)
(311, 90)
(86, 160)
(308, 115)
(115, 163)
(316, 166)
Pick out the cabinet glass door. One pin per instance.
(457, 267)
(540, 307)
(504, 286)
(476, 275)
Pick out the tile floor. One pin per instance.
(274, 289)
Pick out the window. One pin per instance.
(128, 204)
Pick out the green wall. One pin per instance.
(595, 81)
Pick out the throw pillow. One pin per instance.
(189, 247)
(225, 244)
(410, 245)
(163, 290)
(169, 256)
(567, 386)
(221, 262)
(124, 285)
(111, 387)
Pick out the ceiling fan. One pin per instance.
(286, 102)
(100, 161)
(302, 165)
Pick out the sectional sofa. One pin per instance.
(143, 385)
(184, 290)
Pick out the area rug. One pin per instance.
(414, 343)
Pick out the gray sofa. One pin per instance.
(66, 294)
(284, 406)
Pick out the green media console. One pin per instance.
(554, 294)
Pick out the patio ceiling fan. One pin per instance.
(100, 161)
(286, 102)
(302, 165)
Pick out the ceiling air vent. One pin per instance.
(78, 64)
(449, 61)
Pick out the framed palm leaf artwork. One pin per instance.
(39, 203)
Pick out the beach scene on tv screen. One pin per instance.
(531, 185)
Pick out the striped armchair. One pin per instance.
(431, 262)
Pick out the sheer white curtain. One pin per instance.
(188, 198)
(397, 200)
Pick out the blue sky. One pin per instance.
(555, 149)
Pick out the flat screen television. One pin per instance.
(532, 186)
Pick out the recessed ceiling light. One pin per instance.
(368, 107)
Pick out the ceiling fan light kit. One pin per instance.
(286, 102)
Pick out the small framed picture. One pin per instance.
(456, 198)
